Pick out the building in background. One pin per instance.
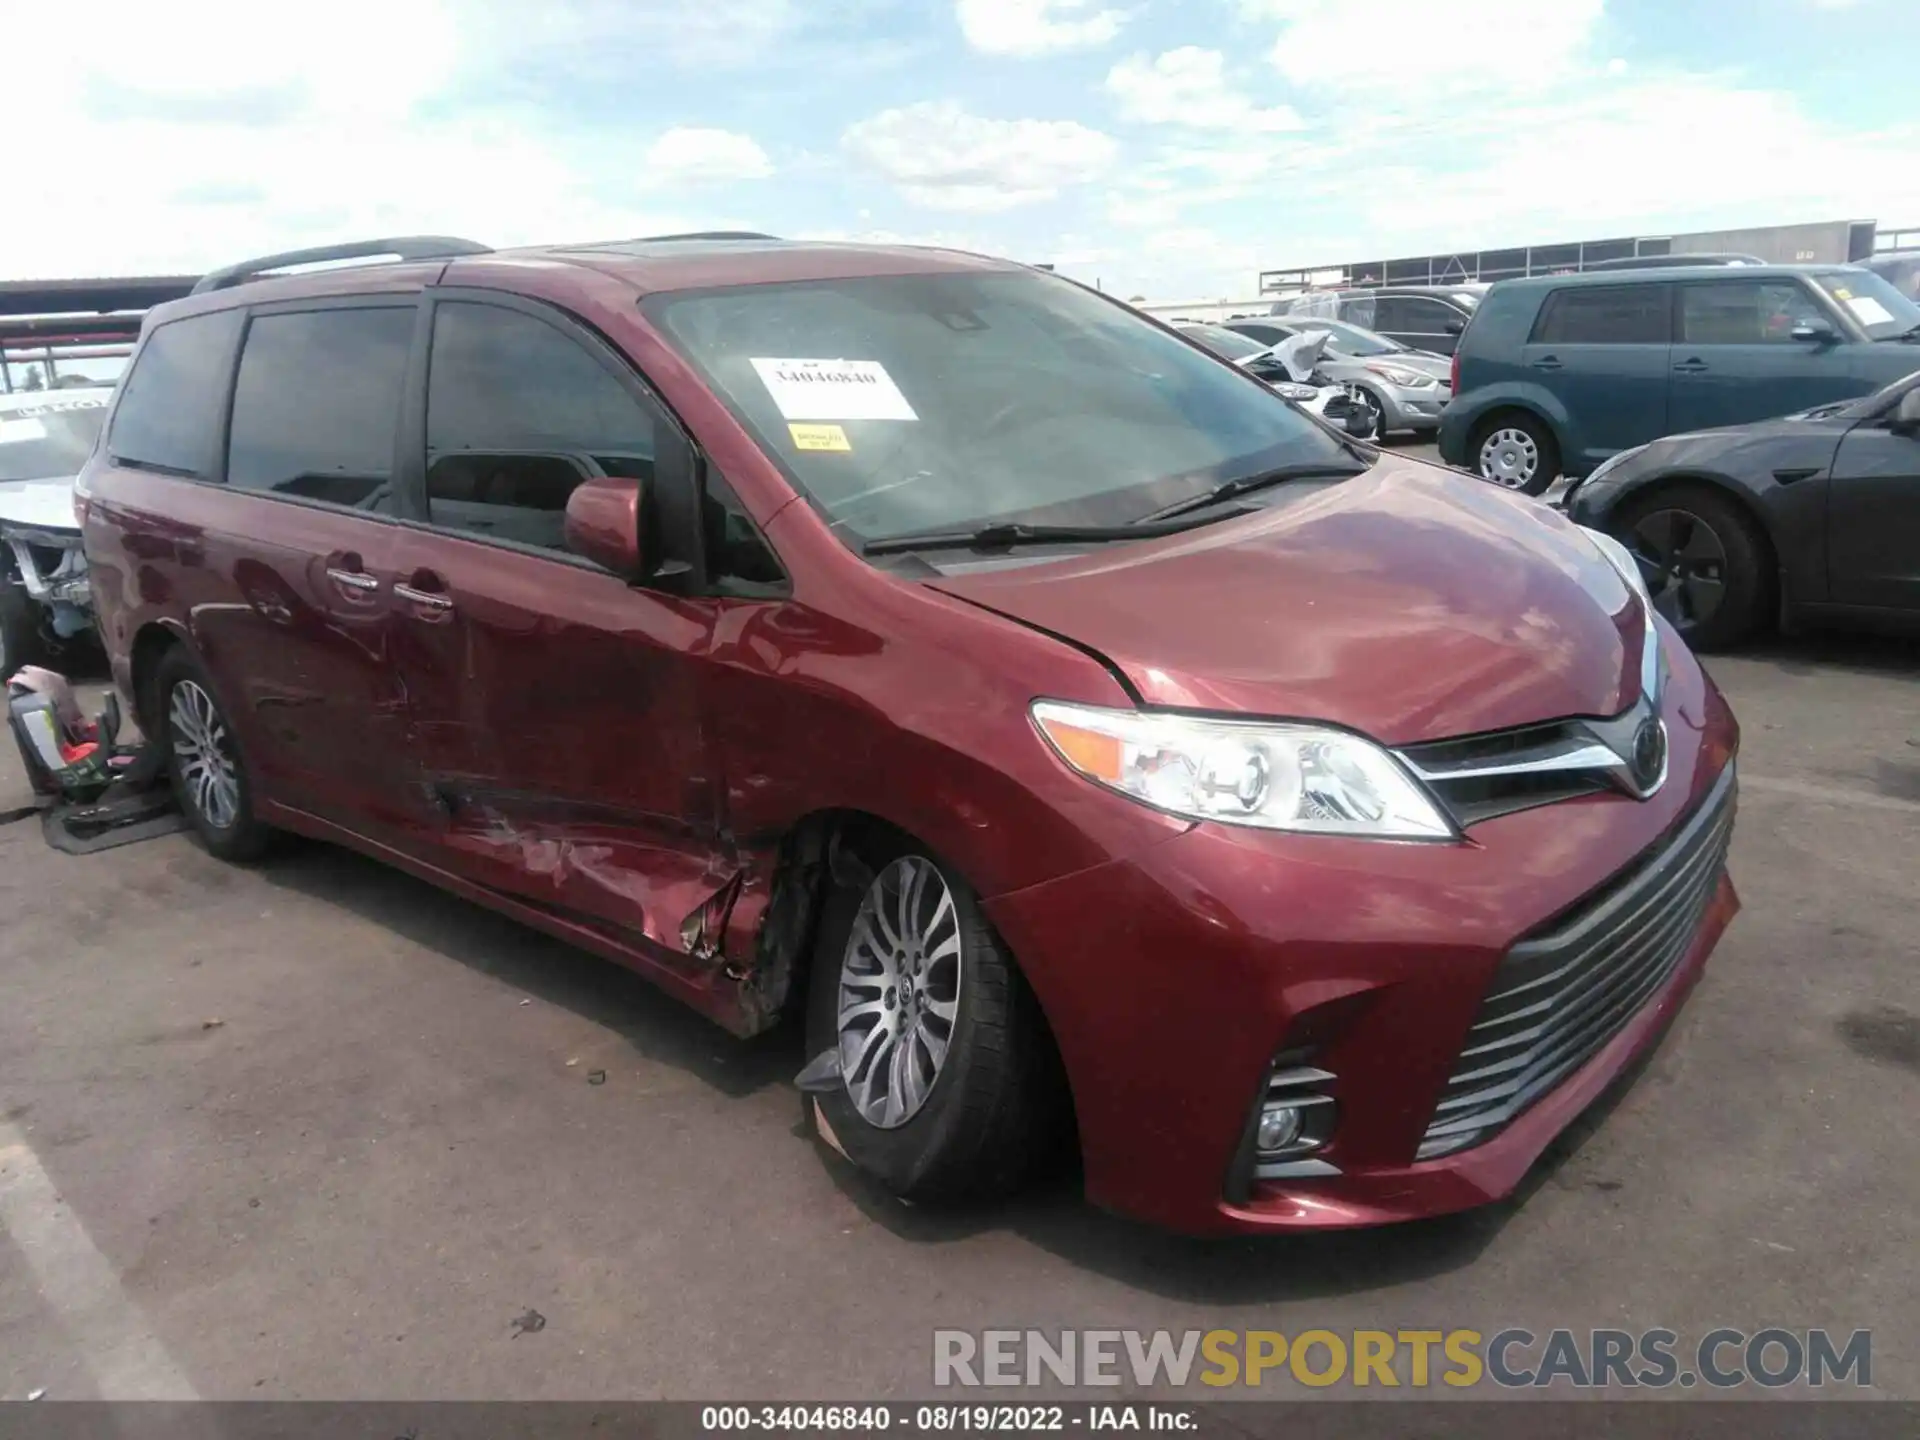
(1832, 242)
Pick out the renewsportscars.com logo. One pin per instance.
(1513, 1358)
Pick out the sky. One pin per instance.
(1169, 149)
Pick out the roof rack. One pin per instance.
(400, 247)
(711, 235)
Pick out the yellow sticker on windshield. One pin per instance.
(819, 437)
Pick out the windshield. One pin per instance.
(1228, 344)
(903, 403)
(1877, 308)
(50, 438)
(1353, 339)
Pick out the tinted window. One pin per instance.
(1412, 315)
(1359, 311)
(1228, 344)
(1747, 312)
(518, 414)
(171, 402)
(316, 404)
(1604, 315)
(1265, 334)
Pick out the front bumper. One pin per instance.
(1403, 408)
(1173, 979)
(51, 566)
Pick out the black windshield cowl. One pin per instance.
(1246, 484)
(1006, 536)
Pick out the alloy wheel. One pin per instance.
(899, 996)
(204, 752)
(1684, 561)
(1510, 457)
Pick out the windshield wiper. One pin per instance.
(1007, 535)
(1246, 484)
(1910, 333)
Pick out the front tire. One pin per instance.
(1516, 451)
(211, 781)
(948, 1088)
(1706, 563)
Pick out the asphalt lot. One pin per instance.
(316, 1130)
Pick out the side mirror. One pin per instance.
(1456, 327)
(604, 524)
(1906, 414)
(1814, 332)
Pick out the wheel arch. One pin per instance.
(1730, 490)
(151, 644)
(817, 848)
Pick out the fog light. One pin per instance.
(1279, 1130)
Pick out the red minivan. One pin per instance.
(1090, 749)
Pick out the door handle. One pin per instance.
(433, 600)
(1547, 362)
(1691, 367)
(352, 579)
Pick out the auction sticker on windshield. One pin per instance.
(833, 390)
(819, 437)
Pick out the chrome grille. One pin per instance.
(1562, 994)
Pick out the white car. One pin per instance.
(45, 601)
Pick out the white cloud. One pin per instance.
(944, 157)
(1466, 44)
(691, 154)
(1189, 87)
(1035, 27)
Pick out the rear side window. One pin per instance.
(1415, 315)
(1745, 312)
(1605, 315)
(317, 402)
(518, 414)
(170, 403)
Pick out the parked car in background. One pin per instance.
(1293, 368)
(1556, 373)
(1670, 262)
(1900, 269)
(1080, 743)
(1407, 387)
(1421, 317)
(45, 601)
(1815, 515)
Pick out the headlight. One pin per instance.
(1268, 775)
(1290, 391)
(1409, 379)
(1621, 558)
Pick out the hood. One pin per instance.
(1299, 353)
(1408, 603)
(1438, 366)
(39, 504)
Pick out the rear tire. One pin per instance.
(1706, 561)
(211, 781)
(978, 1127)
(1515, 450)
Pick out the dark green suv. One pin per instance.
(1556, 373)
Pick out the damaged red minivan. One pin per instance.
(1086, 746)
